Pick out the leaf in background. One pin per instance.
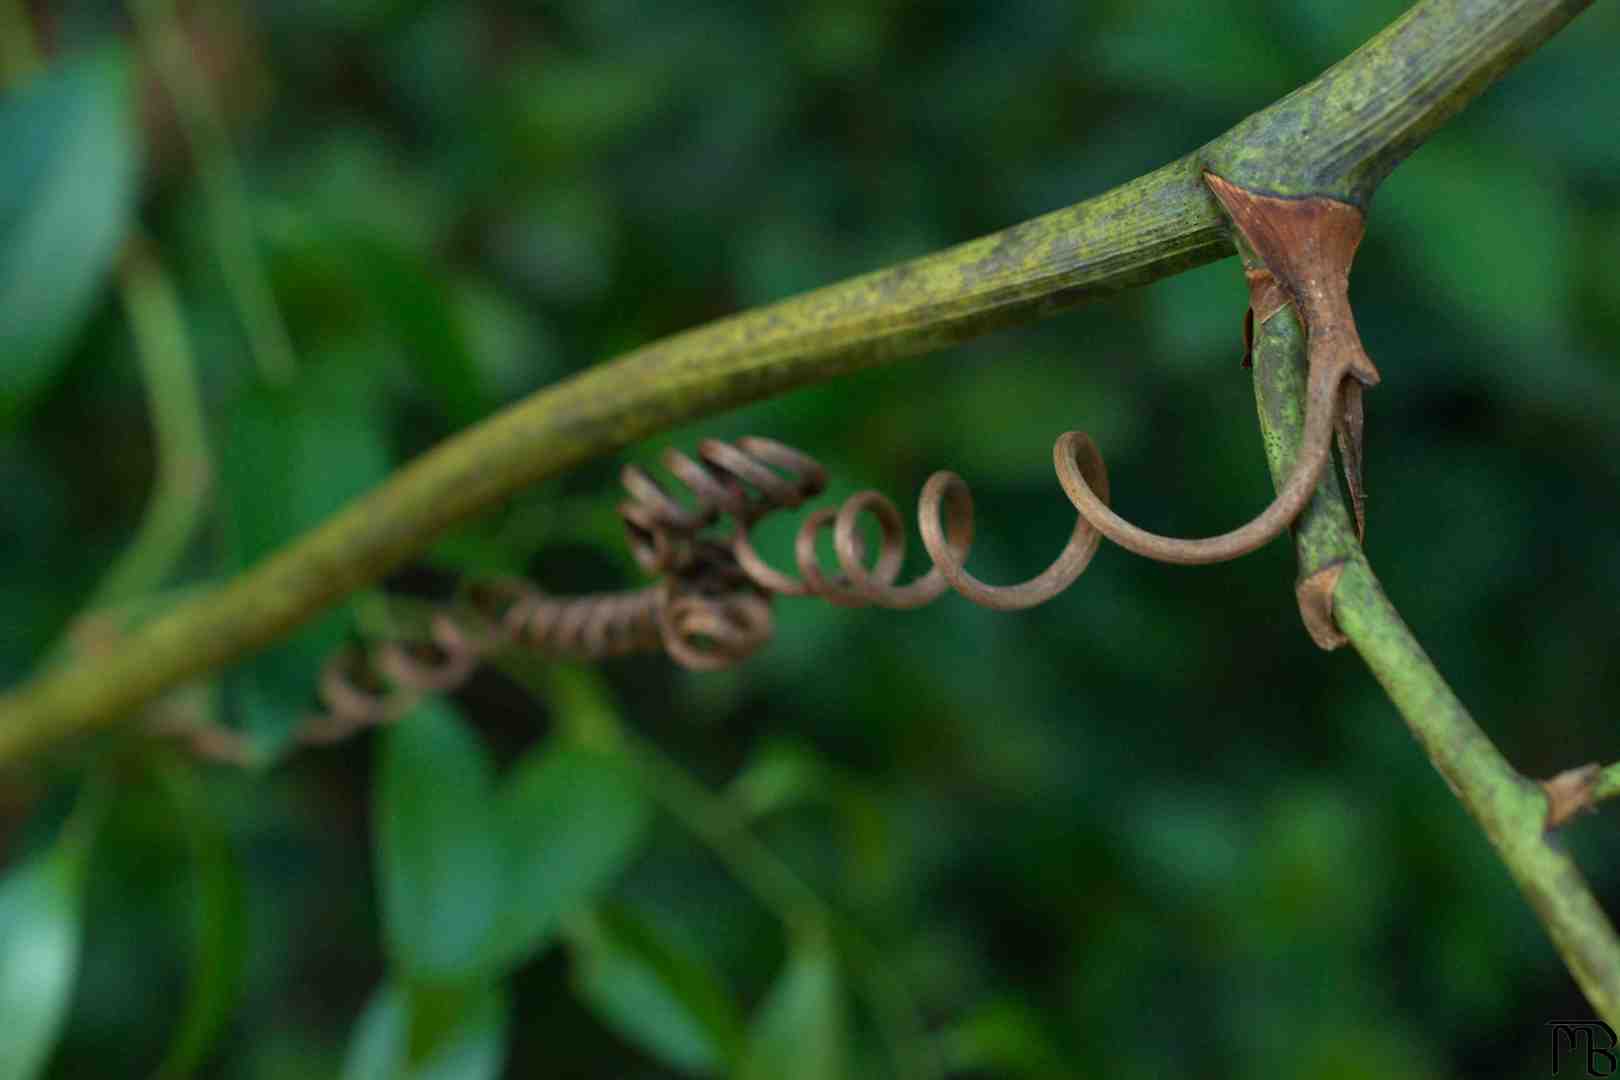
(439, 851)
(41, 907)
(469, 1043)
(1197, 52)
(799, 1031)
(1003, 1038)
(67, 189)
(664, 998)
(583, 703)
(572, 820)
(784, 775)
(293, 457)
(416, 301)
(779, 775)
(1453, 209)
(218, 931)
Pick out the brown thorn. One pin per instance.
(1315, 596)
(1307, 246)
(1570, 793)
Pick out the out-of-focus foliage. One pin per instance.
(40, 938)
(65, 197)
(1145, 830)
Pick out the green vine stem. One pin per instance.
(180, 490)
(1335, 136)
(1511, 809)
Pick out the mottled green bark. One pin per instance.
(1511, 809)
(1335, 136)
(1342, 134)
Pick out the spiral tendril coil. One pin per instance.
(710, 604)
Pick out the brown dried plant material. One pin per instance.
(1348, 427)
(1570, 793)
(1315, 596)
(1266, 298)
(1307, 246)
(1266, 294)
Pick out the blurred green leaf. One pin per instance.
(296, 455)
(778, 776)
(1003, 1038)
(564, 107)
(581, 699)
(659, 995)
(41, 931)
(800, 1030)
(515, 350)
(572, 820)
(1215, 58)
(291, 458)
(467, 1040)
(219, 937)
(415, 300)
(783, 775)
(439, 845)
(1459, 208)
(67, 189)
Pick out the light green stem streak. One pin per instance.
(1510, 809)
(1361, 116)
(230, 217)
(181, 488)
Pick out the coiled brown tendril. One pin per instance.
(1315, 451)
(711, 607)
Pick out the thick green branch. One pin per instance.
(1512, 810)
(1337, 134)
(1341, 135)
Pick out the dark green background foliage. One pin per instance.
(1145, 830)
